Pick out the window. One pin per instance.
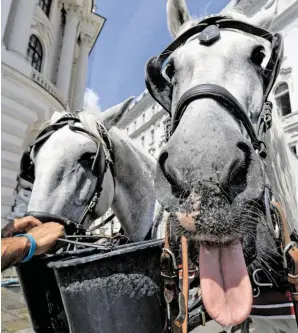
(34, 53)
(282, 98)
(152, 136)
(294, 150)
(143, 141)
(45, 5)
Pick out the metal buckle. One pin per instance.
(274, 229)
(257, 283)
(172, 256)
(93, 202)
(285, 252)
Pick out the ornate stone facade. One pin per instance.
(63, 37)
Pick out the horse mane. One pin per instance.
(149, 161)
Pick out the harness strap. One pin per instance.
(289, 248)
(185, 288)
(176, 299)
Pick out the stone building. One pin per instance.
(45, 46)
(146, 121)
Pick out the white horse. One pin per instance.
(209, 175)
(64, 182)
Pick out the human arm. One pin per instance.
(14, 249)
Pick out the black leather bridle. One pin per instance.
(99, 168)
(208, 32)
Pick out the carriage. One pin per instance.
(150, 285)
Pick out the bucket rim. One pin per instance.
(71, 260)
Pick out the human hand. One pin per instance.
(21, 225)
(46, 236)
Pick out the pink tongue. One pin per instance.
(225, 285)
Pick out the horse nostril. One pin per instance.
(172, 177)
(233, 177)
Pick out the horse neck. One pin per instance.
(134, 200)
(282, 170)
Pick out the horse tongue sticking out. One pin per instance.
(225, 285)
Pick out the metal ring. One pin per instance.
(258, 292)
(276, 228)
(259, 284)
(172, 255)
(203, 318)
(285, 251)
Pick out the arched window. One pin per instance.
(45, 5)
(34, 53)
(282, 98)
(294, 149)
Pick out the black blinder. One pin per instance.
(272, 70)
(158, 87)
(27, 167)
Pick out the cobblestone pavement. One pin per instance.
(14, 314)
(15, 317)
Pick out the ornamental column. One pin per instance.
(18, 38)
(5, 9)
(67, 50)
(82, 71)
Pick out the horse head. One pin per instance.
(72, 167)
(213, 80)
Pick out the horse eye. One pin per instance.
(87, 160)
(258, 55)
(169, 72)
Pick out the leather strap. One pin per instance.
(293, 254)
(222, 96)
(185, 289)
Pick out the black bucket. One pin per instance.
(42, 296)
(115, 292)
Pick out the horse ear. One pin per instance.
(177, 13)
(113, 115)
(262, 18)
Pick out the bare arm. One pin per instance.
(13, 250)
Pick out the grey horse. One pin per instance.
(224, 219)
(64, 182)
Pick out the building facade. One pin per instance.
(146, 121)
(45, 46)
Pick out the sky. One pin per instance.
(134, 31)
